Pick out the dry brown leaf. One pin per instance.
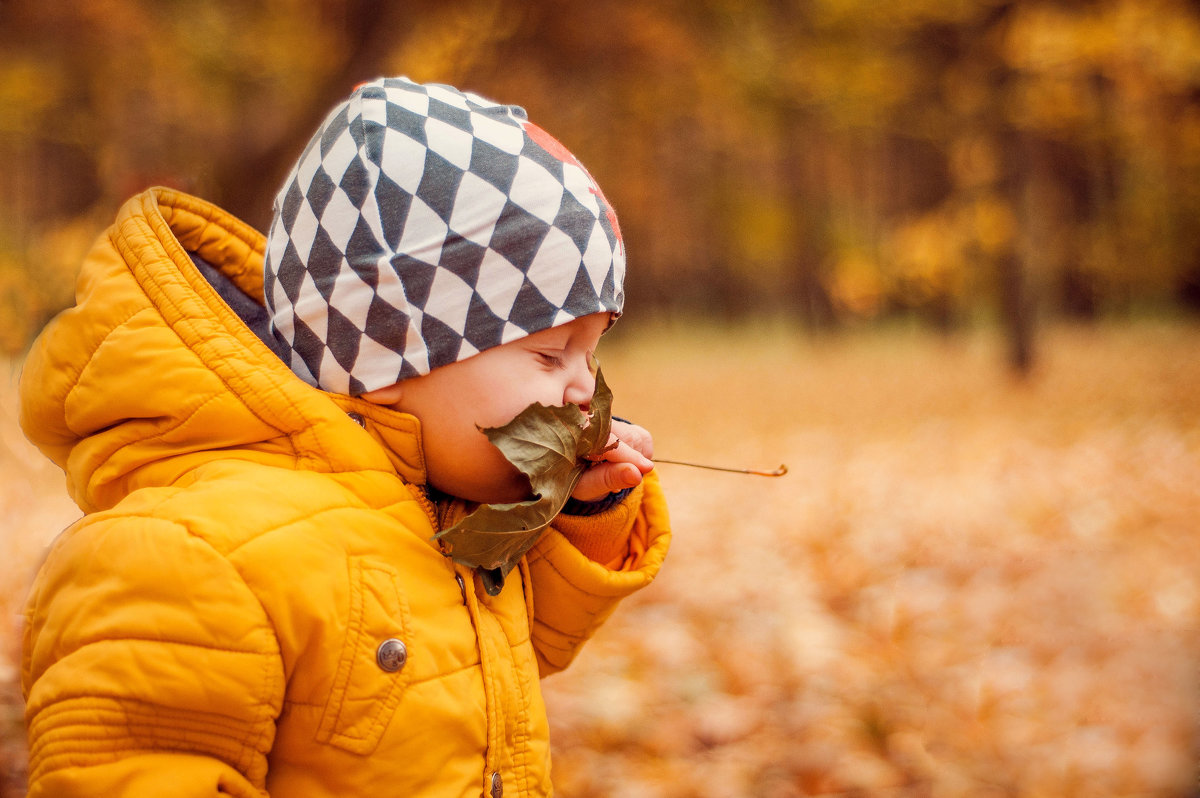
(551, 446)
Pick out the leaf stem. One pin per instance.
(778, 472)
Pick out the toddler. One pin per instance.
(266, 437)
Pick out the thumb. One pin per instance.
(605, 478)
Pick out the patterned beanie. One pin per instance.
(423, 225)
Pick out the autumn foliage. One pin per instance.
(968, 584)
(826, 160)
(965, 585)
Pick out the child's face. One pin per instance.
(552, 367)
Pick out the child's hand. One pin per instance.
(619, 468)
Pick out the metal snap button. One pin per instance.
(462, 586)
(358, 419)
(497, 785)
(391, 655)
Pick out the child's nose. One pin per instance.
(580, 386)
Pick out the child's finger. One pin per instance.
(637, 437)
(624, 453)
(605, 478)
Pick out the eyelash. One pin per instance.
(553, 361)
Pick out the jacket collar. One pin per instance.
(152, 374)
(398, 434)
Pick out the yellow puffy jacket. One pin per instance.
(252, 604)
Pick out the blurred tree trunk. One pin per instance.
(1016, 310)
(1044, 245)
(801, 173)
(1012, 261)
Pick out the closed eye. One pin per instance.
(551, 359)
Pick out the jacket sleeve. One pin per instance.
(572, 594)
(149, 668)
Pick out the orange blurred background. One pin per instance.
(939, 257)
(828, 161)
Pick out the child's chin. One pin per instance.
(507, 495)
(506, 491)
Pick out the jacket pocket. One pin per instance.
(372, 671)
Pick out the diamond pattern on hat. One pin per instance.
(518, 235)
(416, 281)
(397, 201)
(404, 121)
(581, 296)
(498, 284)
(498, 133)
(307, 341)
(483, 327)
(362, 251)
(448, 95)
(450, 299)
(339, 220)
(493, 165)
(356, 182)
(477, 205)
(370, 114)
(466, 255)
(535, 190)
(389, 290)
(423, 225)
(320, 192)
(332, 375)
(424, 233)
(310, 299)
(404, 96)
(416, 353)
(453, 115)
(546, 271)
(342, 152)
(283, 289)
(531, 310)
(386, 324)
(352, 297)
(597, 257)
(303, 230)
(276, 247)
(439, 337)
(512, 333)
(450, 142)
(326, 263)
(377, 362)
(581, 188)
(576, 221)
(307, 168)
(439, 185)
(402, 160)
(342, 337)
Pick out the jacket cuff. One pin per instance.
(578, 507)
(601, 532)
(574, 594)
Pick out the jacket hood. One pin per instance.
(152, 375)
